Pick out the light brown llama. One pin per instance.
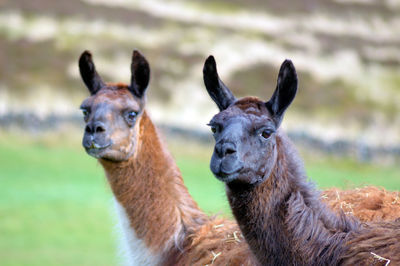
(160, 222)
(279, 212)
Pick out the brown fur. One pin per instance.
(150, 187)
(374, 244)
(367, 203)
(218, 242)
(284, 210)
(148, 182)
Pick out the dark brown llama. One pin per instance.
(160, 223)
(279, 212)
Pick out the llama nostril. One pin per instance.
(224, 149)
(229, 151)
(99, 129)
(96, 127)
(88, 129)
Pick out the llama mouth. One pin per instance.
(97, 150)
(229, 176)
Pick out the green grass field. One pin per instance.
(55, 204)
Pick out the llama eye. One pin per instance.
(215, 128)
(85, 112)
(266, 134)
(132, 115)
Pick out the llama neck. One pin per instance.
(283, 219)
(149, 190)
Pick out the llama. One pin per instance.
(161, 224)
(279, 212)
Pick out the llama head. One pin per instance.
(112, 110)
(245, 129)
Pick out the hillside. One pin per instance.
(347, 53)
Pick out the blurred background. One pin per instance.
(55, 205)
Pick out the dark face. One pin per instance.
(245, 130)
(244, 142)
(112, 111)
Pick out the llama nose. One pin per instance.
(228, 148)
(96, 127)
(225, 149)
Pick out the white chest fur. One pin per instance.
(132, 249)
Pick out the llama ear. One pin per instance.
(285, 91)
(140, 70)
(89, 74)
(217, 90)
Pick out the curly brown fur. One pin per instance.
(367, 203)
(284, 215)
(218, 242)
(374, 244)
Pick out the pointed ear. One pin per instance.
(285, 91)
(217, 90)
(89, 74)
(140, 74)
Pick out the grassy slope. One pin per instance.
(55, 203)
(54, 207)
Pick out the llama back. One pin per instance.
(375, 244)
(218, 242)
(367, 204)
